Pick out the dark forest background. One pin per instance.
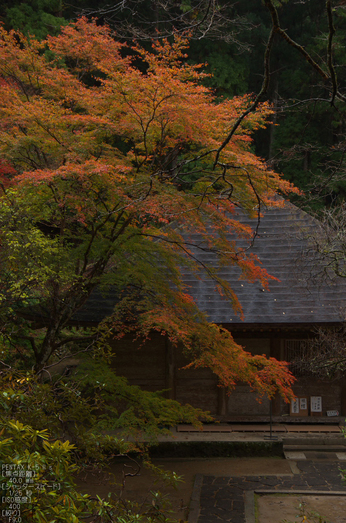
(306, 141)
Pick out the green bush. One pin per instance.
(79, 413)
(37, 480)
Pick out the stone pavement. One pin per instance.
(227, 499)
(228, 432)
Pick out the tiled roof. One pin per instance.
(298, 298)
(295, 299)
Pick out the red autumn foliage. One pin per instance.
(115, 153)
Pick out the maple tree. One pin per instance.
(115, 156)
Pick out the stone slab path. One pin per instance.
(223, 499)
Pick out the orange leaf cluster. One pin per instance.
(112, 151)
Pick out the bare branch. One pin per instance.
(329, 51)
(162, 18)
(257, 100)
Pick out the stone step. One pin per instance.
(315, 448)
(310, 455)
(334, 440)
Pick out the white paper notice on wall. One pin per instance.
(332, 413)
(295, 406)
(316, 403)
(303, 403)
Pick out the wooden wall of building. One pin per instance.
(159, 366)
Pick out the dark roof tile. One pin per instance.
(282, 236)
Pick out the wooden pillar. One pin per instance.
(343, 397)
(276, 405)
(275, 352)
(275, 348)
(170, 371)
(222, 399)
